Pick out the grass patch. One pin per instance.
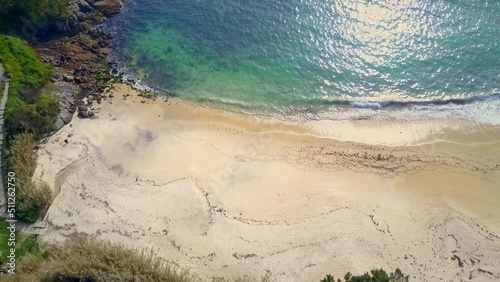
(4, 239)
(30, 106)
(22, 65)
(25, 245)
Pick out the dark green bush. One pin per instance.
(31, 15)
(376, 275)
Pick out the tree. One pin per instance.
(41, 14)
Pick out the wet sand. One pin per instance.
(227, 195)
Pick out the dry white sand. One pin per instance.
(227, 195)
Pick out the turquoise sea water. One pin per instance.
(317, 56)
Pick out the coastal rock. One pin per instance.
(108, 7)
(83, 6)
(83, 108)
(66, 97)
(69, 78)
(83, 15)
(84, 114)
(58, 125)
(79, 49)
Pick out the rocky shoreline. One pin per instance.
(79, 55)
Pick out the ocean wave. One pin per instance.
(482, 109)
(406, 103)
(366, 105)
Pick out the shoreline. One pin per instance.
(483, 109)
(227, 194)
(429, 129)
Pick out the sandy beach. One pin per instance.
(225, 194)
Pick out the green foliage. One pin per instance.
(28, 246)
(22, 64)
(35, 118)
(376, 275)
(25, 246)
(30, 108)
(32, 198)
(4, 237)
(16, 15)
(328, 278)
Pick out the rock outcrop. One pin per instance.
(83, 15)
(79, 55)
(65, 94)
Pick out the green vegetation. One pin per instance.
(30, 107)
(31, 15)
(32, 198)
(376, 275)
(4, 238)
(25, 245)
(22, 64)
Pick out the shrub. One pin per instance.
(41, 15)
(32, 198)
(37, 118)
(376, 275)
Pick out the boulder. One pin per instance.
(108, 7)
(83, 108)
(69, 78)
(83, 114)
(83, 15)
(58, 125)
(66, 117)
(83, 6)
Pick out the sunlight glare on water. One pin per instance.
(279, 56)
